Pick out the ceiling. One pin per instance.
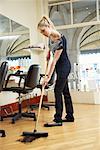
(12, 46)
(58, 0)
(90, 41)
(83, 10)
(53, 0)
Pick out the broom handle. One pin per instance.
(40, 103)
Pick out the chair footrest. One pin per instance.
(7, 116)
(30, 115)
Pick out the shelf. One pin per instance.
(36, 49)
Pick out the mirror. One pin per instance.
(14, 37)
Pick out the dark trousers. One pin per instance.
(61, 88)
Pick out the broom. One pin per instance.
(30, 136)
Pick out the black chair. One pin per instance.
(3, 73)
(48, 87)
(30, 82)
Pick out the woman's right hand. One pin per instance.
(45, 80)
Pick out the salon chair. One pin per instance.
(3, 73)
(49, 86)
(30, 82)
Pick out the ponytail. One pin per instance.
(45, 21)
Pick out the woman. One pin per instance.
(61, 63)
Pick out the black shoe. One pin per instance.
(68, 119)
(53, 124)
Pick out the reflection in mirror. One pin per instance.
(13, 38)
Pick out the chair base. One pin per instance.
(2, 133)
(45, 106)
(7, 116)
(42, 106)
(17, 116)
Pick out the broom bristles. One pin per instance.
(27, 139)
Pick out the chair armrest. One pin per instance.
(21, 76)
(41, 75)
(18, 72)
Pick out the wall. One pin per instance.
(27, 13)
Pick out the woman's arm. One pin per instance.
(54, 61)
(48, 55)
(52, 66)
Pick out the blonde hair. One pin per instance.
(45, 21)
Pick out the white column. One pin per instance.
(40, 8)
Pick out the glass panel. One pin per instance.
(60, 15)
(90, 71)
(4, 24)
(90, 58)
(90, 39)
(12, 45)
(84, 11)
(18, 27)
